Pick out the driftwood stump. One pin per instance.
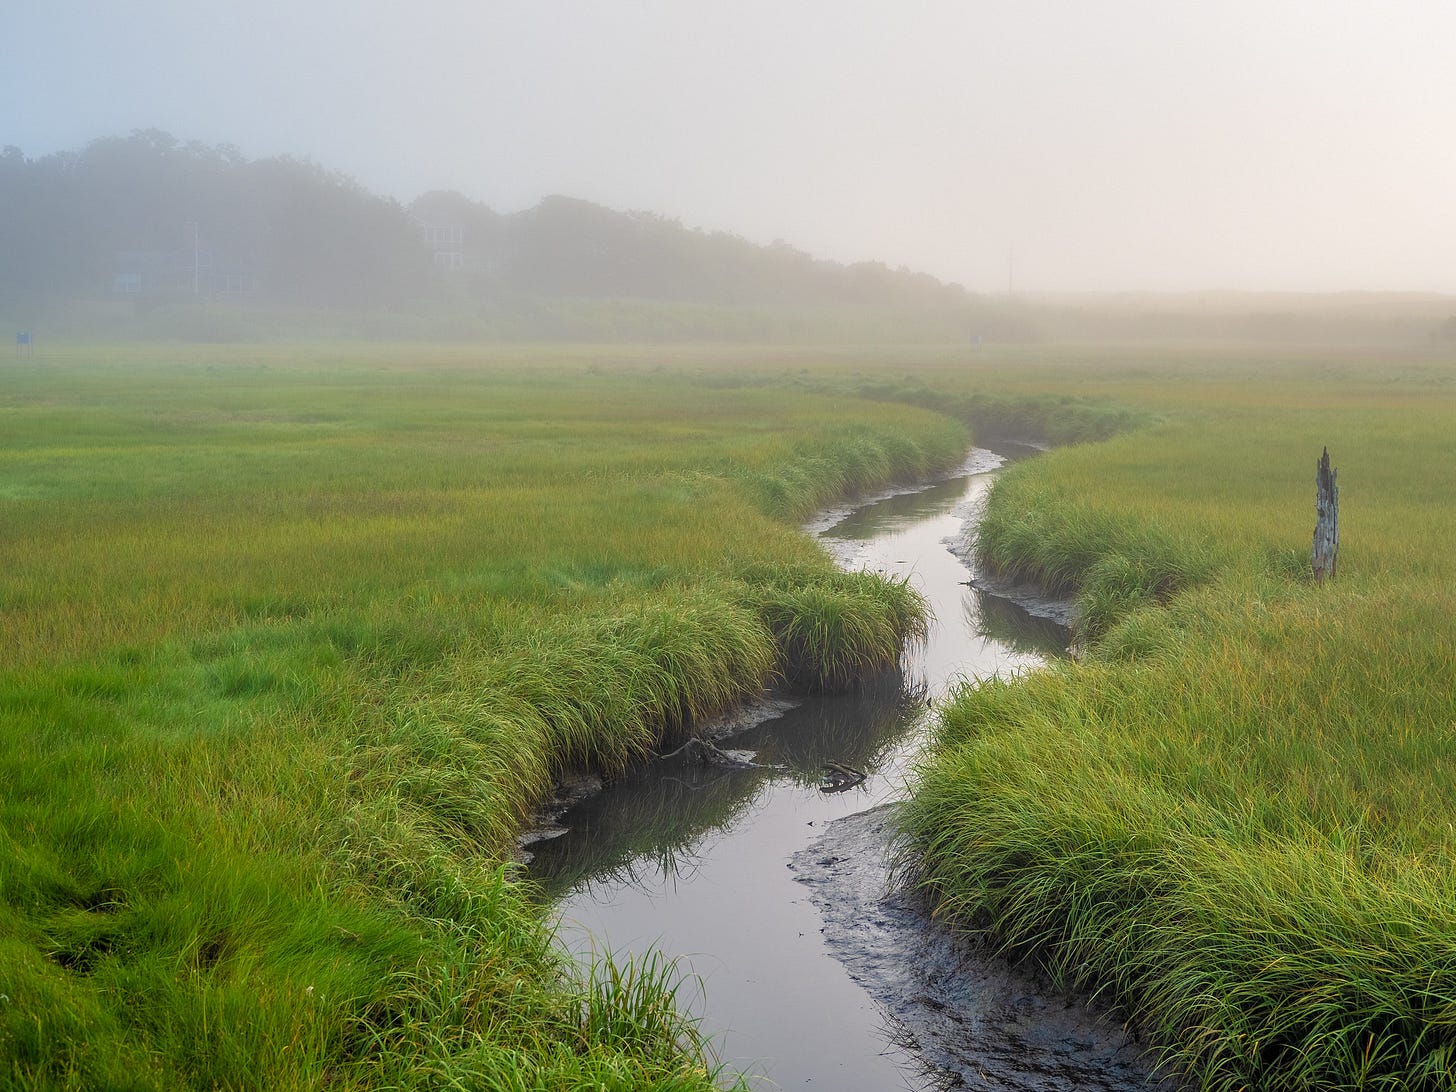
(1327, 519)
(708, 753)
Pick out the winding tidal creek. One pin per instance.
(773, 891)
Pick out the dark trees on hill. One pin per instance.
(93, 223)
(148, 216)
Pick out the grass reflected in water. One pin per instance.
(651, 824)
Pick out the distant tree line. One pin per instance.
(79, 223)
(152, 217)
(569, 247)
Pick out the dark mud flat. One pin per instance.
(974, 1020)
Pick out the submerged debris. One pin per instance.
(838, 778)
(710, 754)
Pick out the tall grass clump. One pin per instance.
(1233, 818)
(814, 476)
(831, 633)
(1113, 562)
(489, 727)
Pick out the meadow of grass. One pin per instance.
(294, 639)
(1235, 816)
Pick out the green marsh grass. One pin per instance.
(296, 638)
(1234, 818)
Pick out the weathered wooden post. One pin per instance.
(1327, 519)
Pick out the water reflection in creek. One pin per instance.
(653, 826)
(692, 861)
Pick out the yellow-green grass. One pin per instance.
(295, 640)
(1236, 816)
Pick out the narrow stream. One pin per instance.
(695, 862)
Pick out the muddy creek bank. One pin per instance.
(972, 1019)
(724, 869)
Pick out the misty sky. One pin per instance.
(1126, 144)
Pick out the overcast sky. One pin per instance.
(1111, 144)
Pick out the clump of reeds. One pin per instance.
(1214, 853)
(831, 633)
(1113, 563)
(816, 474)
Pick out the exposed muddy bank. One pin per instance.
(975, 1020)
(1029, 597)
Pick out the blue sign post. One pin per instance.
(23, 344)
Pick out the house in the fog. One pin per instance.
(446, 241)
(444, 235)
(462, 236)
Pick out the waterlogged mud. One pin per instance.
(693, 860)
(1029, 597)
(975, 1021)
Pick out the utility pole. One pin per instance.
(1011, 271)
(196, 258)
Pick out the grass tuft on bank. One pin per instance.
(1113, 562)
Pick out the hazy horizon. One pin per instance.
(1110, 147)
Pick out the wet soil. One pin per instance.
(974, 1020)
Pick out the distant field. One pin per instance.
(294, 638)
(1236, 816)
